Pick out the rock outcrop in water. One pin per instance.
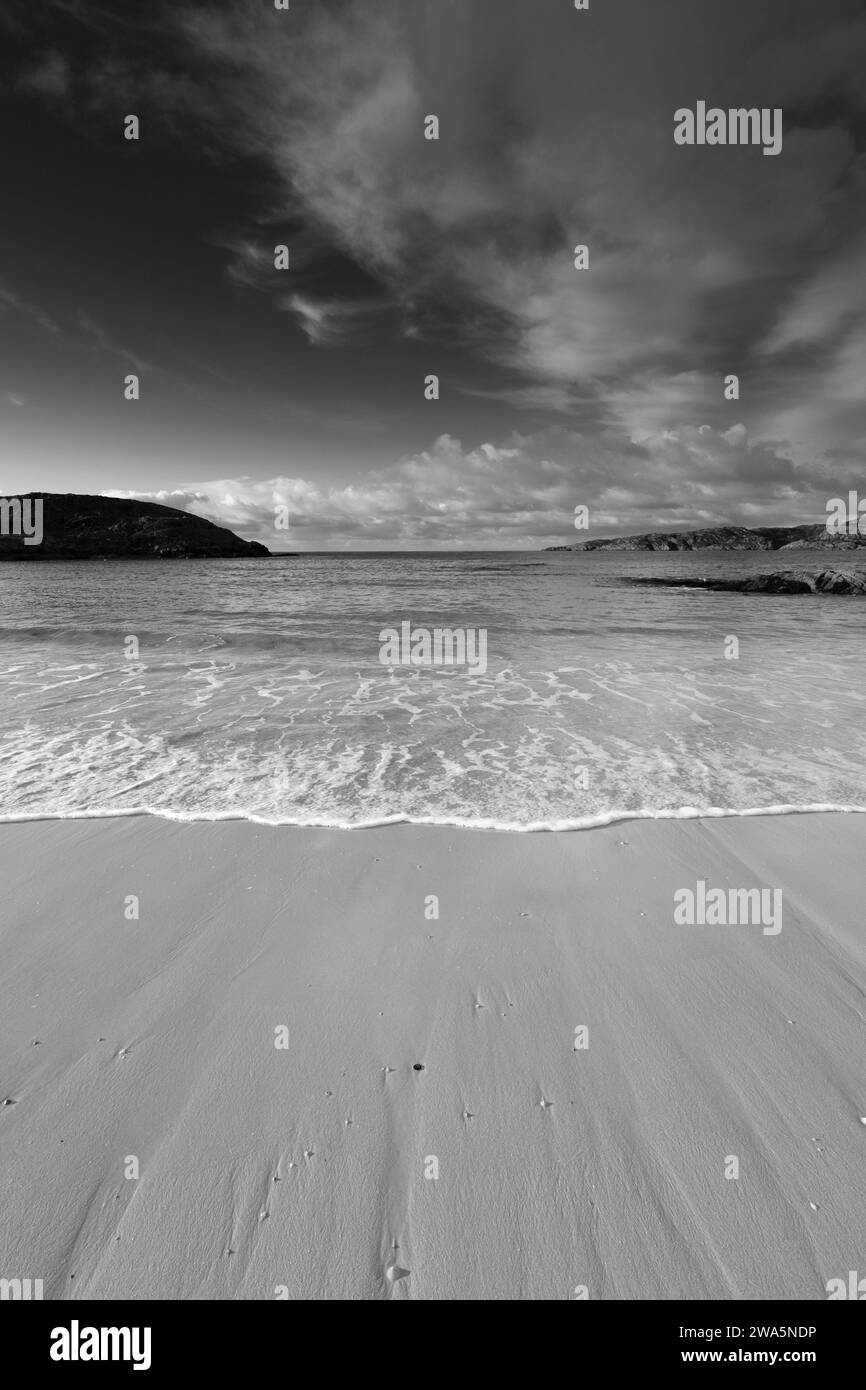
(80, 527)
(727, 538)
(827, 581)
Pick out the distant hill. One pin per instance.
(727, 538)
(81, 527)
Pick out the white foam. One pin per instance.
(324, 822)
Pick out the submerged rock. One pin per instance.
(826, 581)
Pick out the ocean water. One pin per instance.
(258, 691)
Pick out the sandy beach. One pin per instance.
(248, 1044)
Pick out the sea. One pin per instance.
(254, 689)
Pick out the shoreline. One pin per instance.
(308, 1168)
(601, 821)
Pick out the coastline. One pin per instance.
(598, 821)
(297, 1169)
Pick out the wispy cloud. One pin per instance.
(98, 338)
(692, 270)
(702, 262)
(334, 322)
(15, 304)
(50, 77)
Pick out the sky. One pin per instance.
(558, 388)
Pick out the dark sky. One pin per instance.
(558, 387)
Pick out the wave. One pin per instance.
(313, 822)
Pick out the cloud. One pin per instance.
(334, 323)
(523, 492)
(700, 260)
(50, 77)
(78, 332)
(97, 337)
(827, 304)
(16, 304)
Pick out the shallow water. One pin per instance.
(259, 692)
